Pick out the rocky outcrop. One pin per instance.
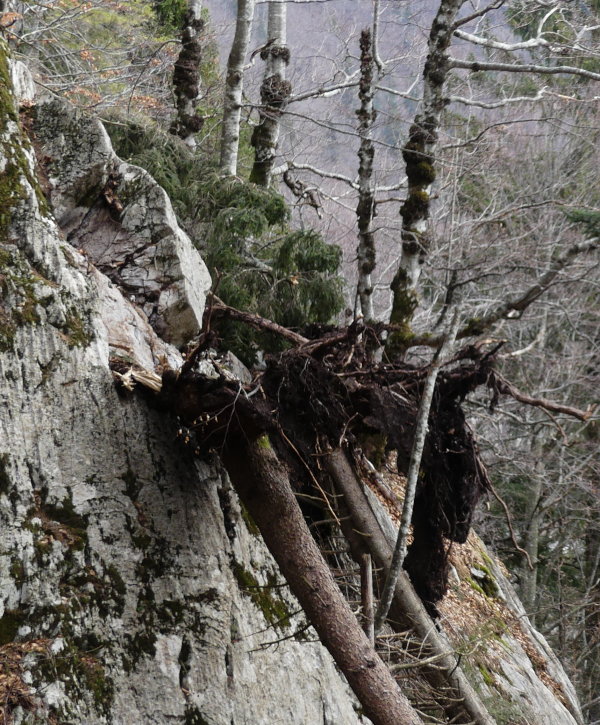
(132, 590)
(121, 219)
(511, 665)
(133, 586)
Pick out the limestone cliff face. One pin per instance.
(131, 590)
(132, 587)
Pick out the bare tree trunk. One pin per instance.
(533, 517)
(409, 609)
(274, 93)
(232, 107)
(365, 209)
(591, 663)
(414, 468)
(264, 487)
(418, 154)
(366, 596)
(186, 76)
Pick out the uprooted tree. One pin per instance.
(300, 428)
(319, 406)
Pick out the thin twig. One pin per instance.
(502, 502)
(313, 477)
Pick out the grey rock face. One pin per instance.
(518, 677)
(131, 588)
(123, 221)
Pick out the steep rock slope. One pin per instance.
(131, 590)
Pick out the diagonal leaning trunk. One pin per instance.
(274, 94)
(232, 106)
(263, 485)
(408, 607)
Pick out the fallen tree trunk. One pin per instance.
(407, 603)
(263, 485)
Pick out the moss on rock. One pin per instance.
(274, 609)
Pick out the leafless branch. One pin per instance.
(477, 66)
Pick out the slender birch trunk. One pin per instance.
(365, 209)
(186, 76)
(418, 154)
(274, 93)
(414, 468)
(232, 107)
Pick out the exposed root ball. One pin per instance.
(325, 393)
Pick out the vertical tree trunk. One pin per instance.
(366, 596)
(365, 209)
(414, 468)
(591, 663)
(232, 105)
(418, 154)
(186, 76)
(263, 486)
(274, 94)
(533, 514)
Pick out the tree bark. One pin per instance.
(232, 106)
(264, 487)
(365, 209)
(366, 596)
(408, 608)
(418, 154)
(186, 76)
(591, 663)
(414, 468)
(533, 517)
(274, 94)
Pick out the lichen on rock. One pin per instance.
(118, 600)
(122, 220)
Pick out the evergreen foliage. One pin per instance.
(258, 262)
(170, 13)
(588, 218)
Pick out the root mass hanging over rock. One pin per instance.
(316, 397)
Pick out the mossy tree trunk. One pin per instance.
(365, 209)
(274, 93)
(232, 105)
(419, 157)
(186, 76)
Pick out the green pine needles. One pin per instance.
(263, 266)
(257, 261)
(590, 220)
(170, 13)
